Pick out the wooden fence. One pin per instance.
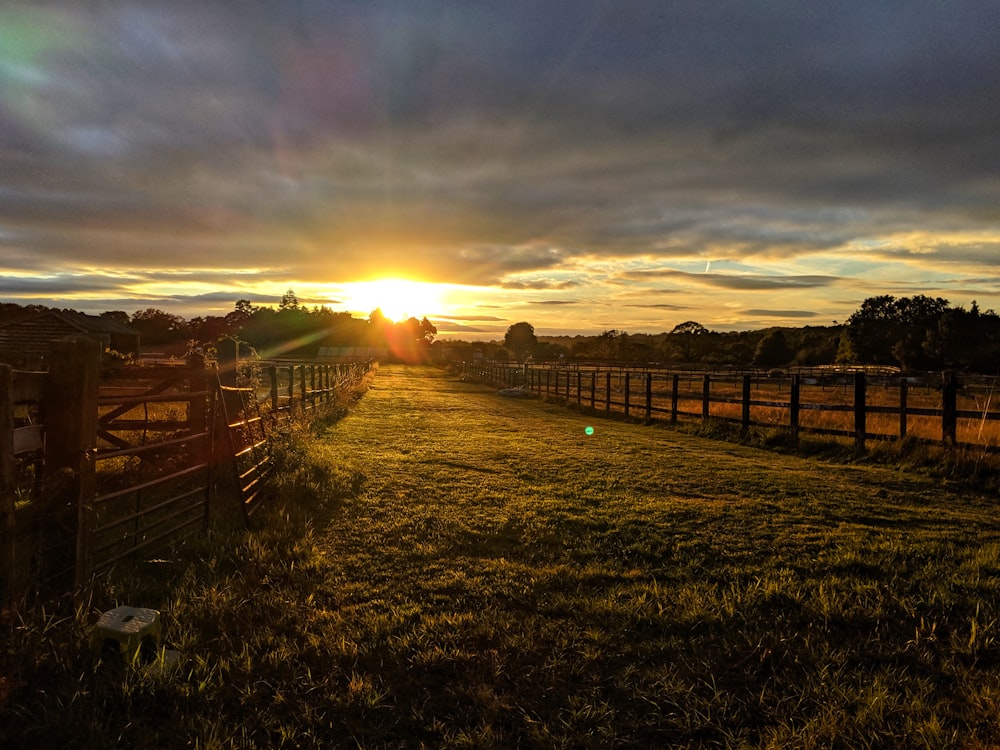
(97, 468)
(944, 408)
(264, 394)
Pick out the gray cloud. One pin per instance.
(480, 144)
(469, 318)
(732, 281)
(660, 306)
(539, 284)
(781, 313)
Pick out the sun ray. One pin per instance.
(398, 299)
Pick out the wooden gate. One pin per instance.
(95, 467)
(153, 461)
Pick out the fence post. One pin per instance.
(197, 382)
(607, 391)
(649, 396)
(628, 391)
(593, 388)
(793, 405)
(903, 390)
(674, 390)
(291, 388)
(706, 394)
(579, 387)
(302, 386)
(70, 440)
(8, 559)
(199, 422)
(746, 404)
(949, 407)
(860, 413)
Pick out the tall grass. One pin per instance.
(449, 568)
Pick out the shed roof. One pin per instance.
(78, 320)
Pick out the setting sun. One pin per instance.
(398, 299)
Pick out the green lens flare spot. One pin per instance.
(589, 430)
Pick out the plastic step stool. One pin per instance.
(131, 628)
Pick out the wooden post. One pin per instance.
(607, 391)
(567, 386)
(745, 422)
(579, 387)
(302, 386)
(291, 387)
(70, 420)
(949, 407)
(674, 391)
(903, 391)
(706, 394)
(628, 391)
(593, 388)
(198, 407)
(860, 413)
(793, 404)
(197, 383)
(272, 374)
(548, 381)
(649, 396)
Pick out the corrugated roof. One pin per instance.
(80, 321)
(97, 324)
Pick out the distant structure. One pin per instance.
(335, 354)
(26, 342)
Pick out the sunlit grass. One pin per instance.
(455, 569)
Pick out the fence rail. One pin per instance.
(267, 394)
(945, 408)
(99, 467)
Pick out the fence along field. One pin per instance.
(99, 467)
(959, 411)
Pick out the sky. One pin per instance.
(580, 165)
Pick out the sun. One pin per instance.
(398, 299)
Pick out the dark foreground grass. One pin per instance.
(455, 569)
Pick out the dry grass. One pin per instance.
(455, 569)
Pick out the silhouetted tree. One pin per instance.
(687, 343)
(157, 327)
(689, 327)
(242, 312)
(289, 301)
(520, 339)
(966, 340)
(772, 350)
(118, 316)
(887, 331)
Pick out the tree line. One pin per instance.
(289, 330)
(911, 333)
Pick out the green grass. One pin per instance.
(449, 568)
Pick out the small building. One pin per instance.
(26, 342)
(338, 354)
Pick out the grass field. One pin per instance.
(450, 568)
